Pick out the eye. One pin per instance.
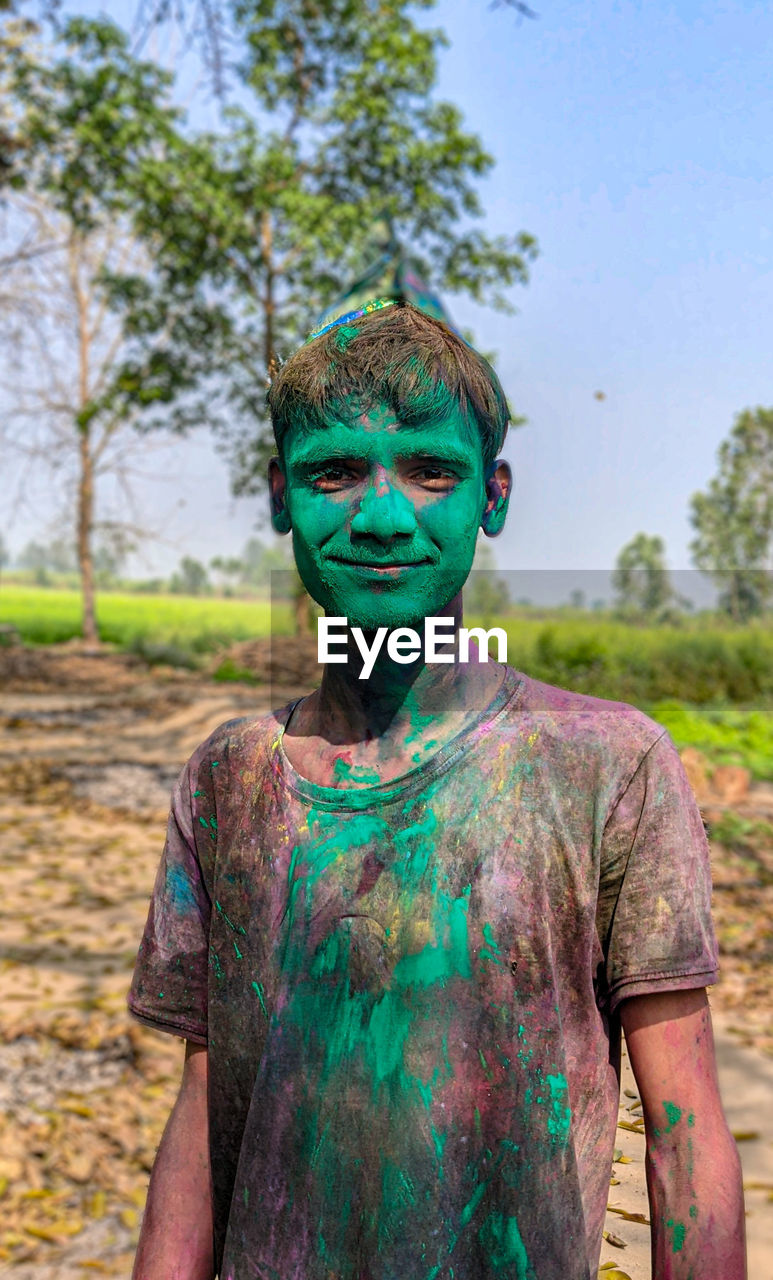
(331, 479)
(436, 479)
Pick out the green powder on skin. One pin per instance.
(673, 1116)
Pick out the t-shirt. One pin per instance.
(409, 991)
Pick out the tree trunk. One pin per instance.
(85, 516)
(267, 246)
(85, 522)
(301, 601)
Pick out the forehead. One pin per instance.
(379, 430)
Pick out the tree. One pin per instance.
(248, 233)
(191, 578)
(640, 578)
(733, 518)
(66, 229)
(253, 235)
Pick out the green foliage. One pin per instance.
(191, 578)
(230, 672)
(737, 832)
(640, 579)
(253, 230)
(724, 734)
(643, 664)
(58, 556)
(733, 518)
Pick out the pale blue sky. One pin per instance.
(634, 140)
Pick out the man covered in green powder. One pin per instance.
(400, 922)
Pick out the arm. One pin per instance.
(693, 1170)
(176, 1237)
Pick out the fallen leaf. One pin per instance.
(77, 1109)
(612, 1239)
(633, 1126)
(614, 1182)
(629, 1217)
(745, 1135)
(610, 1272)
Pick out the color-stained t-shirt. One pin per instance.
(409, 991)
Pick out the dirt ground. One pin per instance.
(89, 747)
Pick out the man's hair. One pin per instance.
(397, 356)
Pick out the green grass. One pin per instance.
(186, 625)
(710, 686)
(695, 663)
(724, 734)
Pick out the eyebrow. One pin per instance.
(317, 453)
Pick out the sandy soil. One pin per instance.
(89, 746)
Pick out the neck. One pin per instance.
(398, 699)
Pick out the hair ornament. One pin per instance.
(377, 304)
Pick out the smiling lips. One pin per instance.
(382, 566)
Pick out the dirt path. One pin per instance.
(88, 750)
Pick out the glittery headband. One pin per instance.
(377, 304)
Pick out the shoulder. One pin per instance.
(615, 736)
(234, 746)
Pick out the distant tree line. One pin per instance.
(732, 521)
(49, 563)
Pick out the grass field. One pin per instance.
(182, 625)
(711, 686)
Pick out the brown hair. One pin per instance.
(397, 356)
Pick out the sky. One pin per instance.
(633, 140)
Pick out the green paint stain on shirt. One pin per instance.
(679, 1232)
(237, 928)
(472, 1204)
(502, 1241)
(491, 951)
(439, 1141)
(560, 1115)
(693, 1210)
(258, 989)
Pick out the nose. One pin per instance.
(384, 512)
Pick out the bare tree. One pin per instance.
(63, 347)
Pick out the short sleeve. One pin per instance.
(169, 987)
(655, 884)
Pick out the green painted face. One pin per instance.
(385, 516)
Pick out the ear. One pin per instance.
(280, 516)
(498, 488)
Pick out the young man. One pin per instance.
(401, 921)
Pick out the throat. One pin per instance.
(332, 749)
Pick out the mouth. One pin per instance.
(384, 567)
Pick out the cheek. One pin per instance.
(453, 522)
(315, 519)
